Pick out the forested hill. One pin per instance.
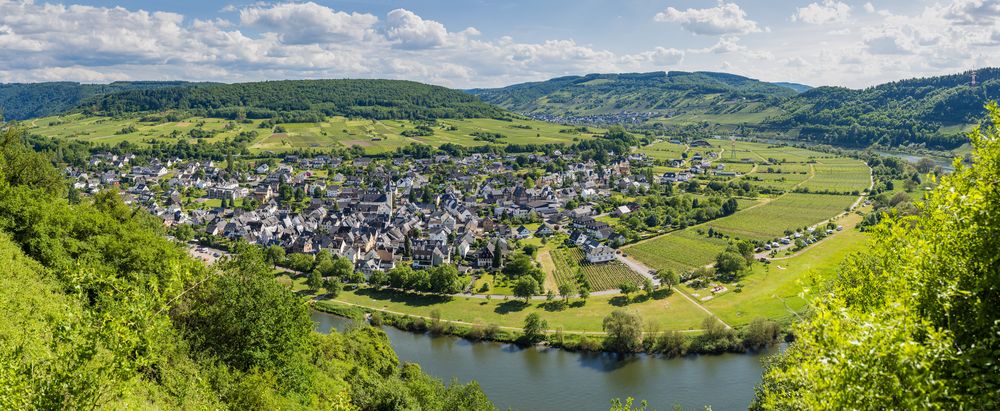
(301, 100)
(930, 111)
(19, 101)
(907, 111)
(675, 91)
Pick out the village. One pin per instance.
(472, 212)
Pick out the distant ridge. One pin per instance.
(20, 101)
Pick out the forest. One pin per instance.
(292, 101)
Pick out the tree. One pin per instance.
(525, 287)
(444, 279)
(584, 292)
(648, 286)
(248, 320)
(378, 279)
(274, 254)
(730, 206)
(624, 331)
(627, 288)
(522, 265)
(566, 290)
(912, 321)
(534, 327)
(497, 256)
(668, 277)
(315, 280)
(333, 286)
(925, 165)
(342, 268)
(728, 264)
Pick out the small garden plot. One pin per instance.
(600, 276)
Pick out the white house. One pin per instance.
(600, 254)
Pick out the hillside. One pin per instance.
(933, 111)
(930, 110)
(300, 100)
(19, 101)
(665, 93)
(98, 310)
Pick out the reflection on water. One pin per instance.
(553, 379)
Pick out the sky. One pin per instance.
(487, 43)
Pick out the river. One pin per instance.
(553, 379)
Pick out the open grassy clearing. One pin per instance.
(670, 313)
(789, 211)
(600, 276)
(772, 291)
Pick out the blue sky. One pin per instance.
(486, 43)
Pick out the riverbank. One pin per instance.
(761, 334)
(543, 378)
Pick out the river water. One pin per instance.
(553, 379)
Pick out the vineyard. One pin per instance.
(601, 276)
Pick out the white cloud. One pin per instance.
(304, 23)
(821, 13)
(410, 31)
(869, 7)
(41, 42)
(725, 18)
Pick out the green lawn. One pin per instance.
(670, 313)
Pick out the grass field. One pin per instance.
(600, 276)
(373, 135)
(670, 313)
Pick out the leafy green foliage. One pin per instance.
(913, 322)
(301, 100)
(624, 330)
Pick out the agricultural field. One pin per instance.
(113, 130)
(373, 136)
(681, 250)
(600, 276)
(839, 175)
(663, 150)
(789, 211)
